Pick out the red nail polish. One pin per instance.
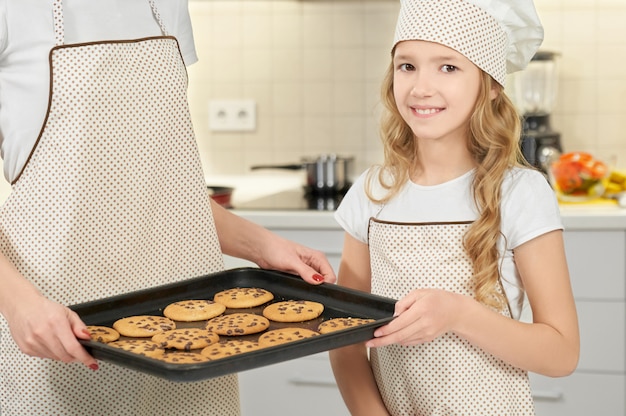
(94, 367)
(318, 277)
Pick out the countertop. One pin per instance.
(574, 218)
(603, 215)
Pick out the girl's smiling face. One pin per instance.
(435, 89)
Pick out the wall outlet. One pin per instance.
(232, 115)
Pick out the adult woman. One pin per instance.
(108, 197)
(456, 227)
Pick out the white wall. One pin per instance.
(314, 67)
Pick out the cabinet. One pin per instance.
(597, 264)
(303, 387)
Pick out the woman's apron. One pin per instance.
(447, 376)
(112, 200)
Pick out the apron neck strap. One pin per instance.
(59, 25)
(59, 30)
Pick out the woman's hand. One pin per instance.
(281, 254)
(46, 329)
(244, 239)
(421, 316)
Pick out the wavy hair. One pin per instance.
(493, 140)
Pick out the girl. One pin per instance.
(455, 227)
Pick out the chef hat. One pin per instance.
(499, 37)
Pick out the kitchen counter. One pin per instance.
(587, 217)
(601, 217)
(604, 215)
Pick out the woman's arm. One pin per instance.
(550, 345)
(244, 239)
(351, 365)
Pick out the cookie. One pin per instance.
(338, 324)
(142, 346)
(182, 357)
(143, 325)
(235, 324)
(243, 297)
(293, 311)
(103, 333)
(229, 348)
(185, 339)
(193, 310)
(285, 335)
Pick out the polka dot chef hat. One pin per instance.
(499, 37)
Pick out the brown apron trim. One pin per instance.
(420, 223)
(74, 45)
(99, 42)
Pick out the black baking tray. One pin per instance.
(338, 302)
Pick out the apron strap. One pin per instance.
(59, 26)
(59, 30)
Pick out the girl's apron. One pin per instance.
(112, 200)
(448, 376)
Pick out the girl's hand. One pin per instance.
(421, 316)
(46, 329)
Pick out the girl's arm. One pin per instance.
(351, 365)
(550, 345)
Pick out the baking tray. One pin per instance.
(338, 302)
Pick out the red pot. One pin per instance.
(221, 194)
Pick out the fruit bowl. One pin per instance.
(578, 177)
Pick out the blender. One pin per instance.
(534, 93)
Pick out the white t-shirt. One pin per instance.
(529, 209)
(26, 37)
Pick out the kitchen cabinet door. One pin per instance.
(581, 394)
(303, 387)
(602, 336)
(597, 264)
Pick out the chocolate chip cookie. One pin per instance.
(185, 339)
(236, 324)
(193, 310)
(143, 325)
(293, 311)
(338, 324)
(285, 335)
(243, 297)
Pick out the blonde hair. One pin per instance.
(493, 140)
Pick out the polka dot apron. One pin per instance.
(448, 376)
(111, 200)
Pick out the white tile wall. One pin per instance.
(314, 67)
